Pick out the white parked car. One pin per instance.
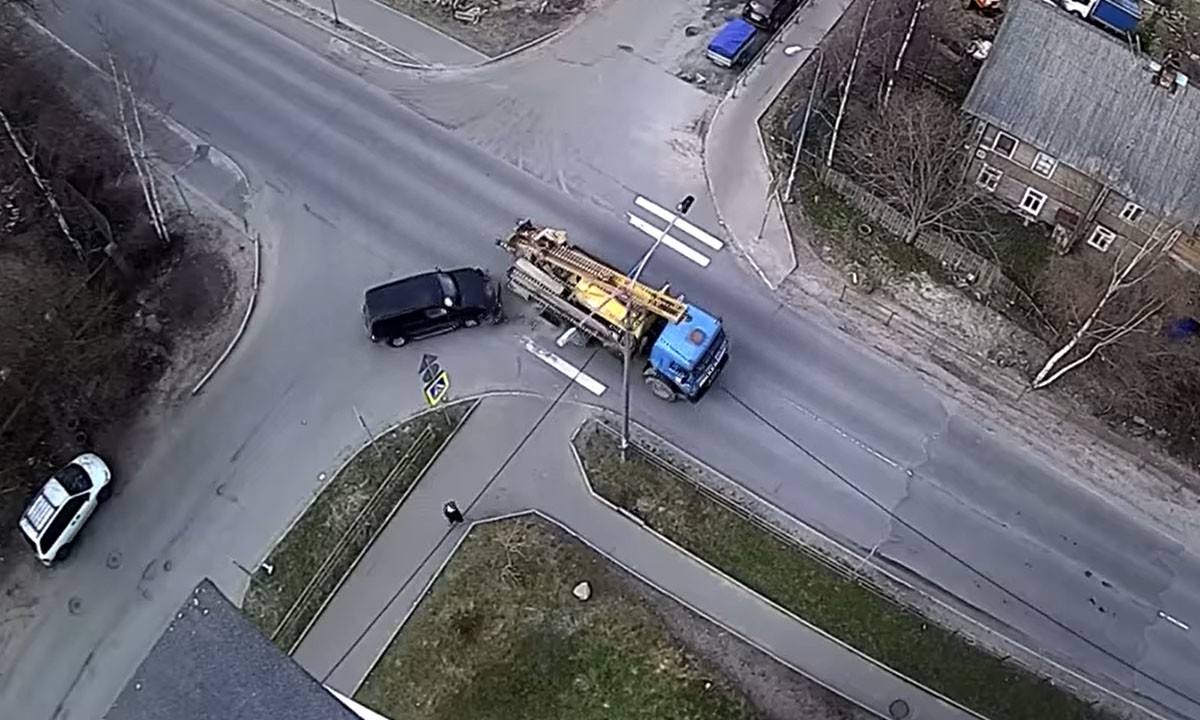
(63, 505)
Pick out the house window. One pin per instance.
(1004, 144)
(1033, 201)
(989, 178)
(1044, 164)
(1102, 238)
(1132, 212)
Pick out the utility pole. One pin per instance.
(336, 19)
(627, 345)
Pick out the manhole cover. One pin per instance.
(114, 561)
(898, 709)
(74, 605)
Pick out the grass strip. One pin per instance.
(790, 576)
(310, 560)
(501, 637)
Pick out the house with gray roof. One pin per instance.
(211, 662)
(1078, 130)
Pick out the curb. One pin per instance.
(254, 288)
(342, 466)
(190, 137)
(383, 526)
(731, 94)
(400, 64)
(410, 18)
(370, 50)
(548, 37)
(882, 569)
(737, 583)
(341, 541)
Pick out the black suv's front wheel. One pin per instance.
(398, 341)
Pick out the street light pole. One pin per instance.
(336, 19)
(627, 345)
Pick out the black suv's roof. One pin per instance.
(418, 292)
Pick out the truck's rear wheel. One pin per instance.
(661, 389)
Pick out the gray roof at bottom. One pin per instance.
(1082, 95)
(212, 663)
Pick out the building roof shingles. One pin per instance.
(211, 662)
(1087, 98)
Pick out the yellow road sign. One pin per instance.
(436, 389)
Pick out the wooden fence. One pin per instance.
(984, 277)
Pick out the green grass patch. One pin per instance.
(787, 574)
(838, 225)
(501, 637)
(310, 560)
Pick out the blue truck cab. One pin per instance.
(687, 356)
(732, 42)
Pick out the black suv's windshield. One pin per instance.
(449, 289)
(73, 479)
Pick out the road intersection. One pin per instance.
(352, 183)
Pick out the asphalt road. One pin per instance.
(350, 186)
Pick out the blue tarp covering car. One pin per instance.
(731, 43)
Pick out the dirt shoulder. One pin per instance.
(497, 26)
(501, 635)
(100, 343)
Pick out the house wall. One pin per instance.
(1068, 188)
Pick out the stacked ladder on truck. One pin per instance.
(550, 272)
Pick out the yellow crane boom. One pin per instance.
(549, 247)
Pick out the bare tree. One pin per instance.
(1106, 310)
(891, 80)
(28, 160)
(837, 123)
(137, 153)
(912, 156)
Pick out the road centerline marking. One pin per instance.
(664, 214)
(684, 250)
(576, 375)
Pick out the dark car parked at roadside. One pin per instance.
(430, 304)
(769, 14)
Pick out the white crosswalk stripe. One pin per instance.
(665, 215)
(573, 373)
(685, 250)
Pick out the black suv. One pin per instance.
(430, 304)
(769, 14)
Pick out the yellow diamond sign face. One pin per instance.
(436, 389)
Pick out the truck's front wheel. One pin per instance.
(661, 389)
